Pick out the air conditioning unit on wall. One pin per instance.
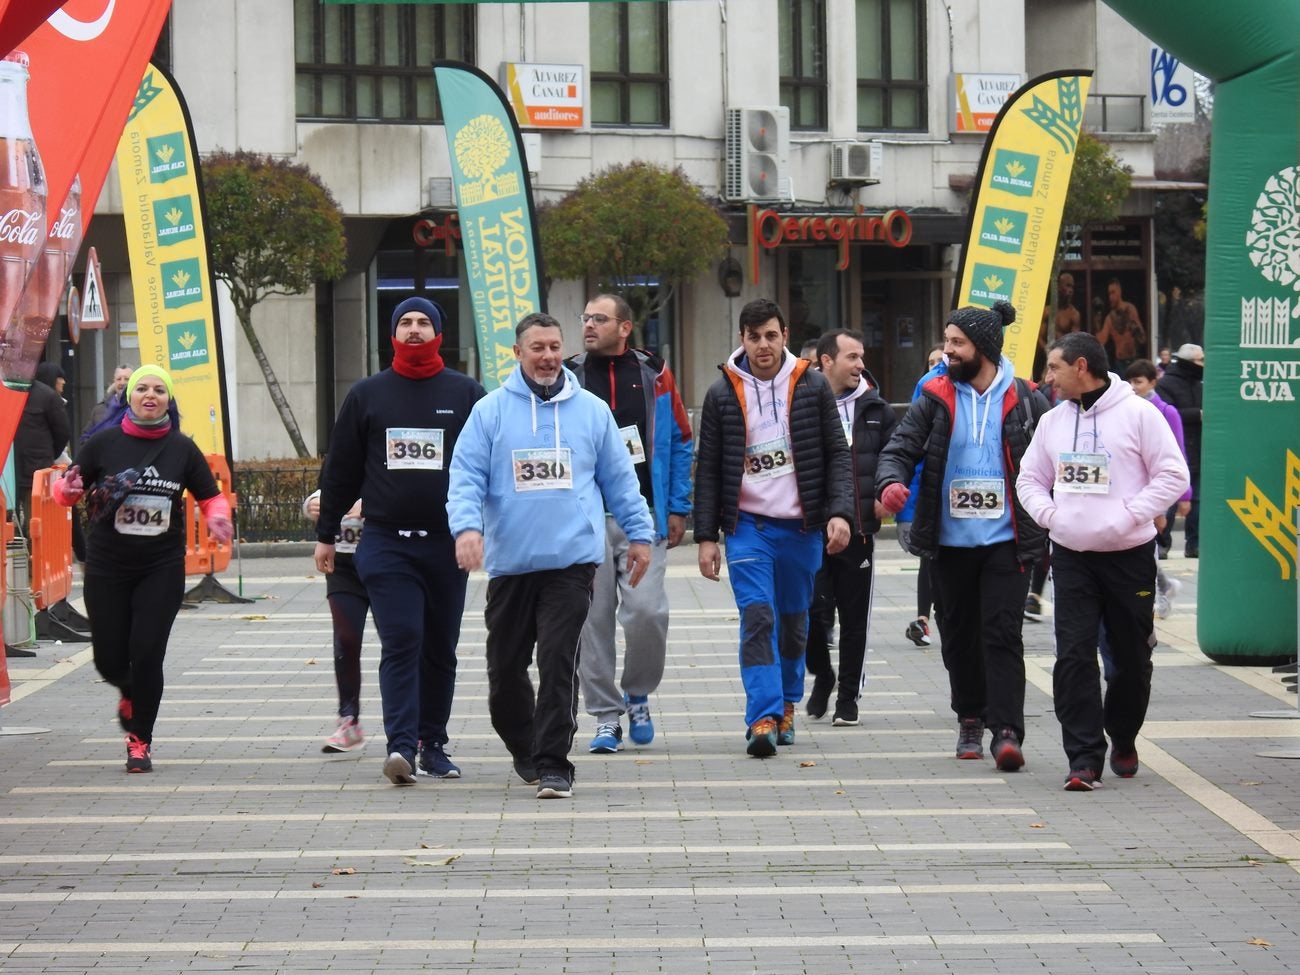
(856, 162)
(758, 154)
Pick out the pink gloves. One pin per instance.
(222, 529)
(68, 489)
(895, 498)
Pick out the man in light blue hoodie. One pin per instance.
(536, 467)
(971, 427)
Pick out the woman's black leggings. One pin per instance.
(131, 614)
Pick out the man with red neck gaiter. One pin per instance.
(392, 447)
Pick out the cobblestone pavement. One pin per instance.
(866, 849)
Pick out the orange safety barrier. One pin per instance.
(204, 555)
(49, 530)
(6, 536)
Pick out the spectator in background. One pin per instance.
(1182, 387)
(114, 391)
(927, 594)
(42, 434)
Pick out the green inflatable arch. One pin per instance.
(1250, 471)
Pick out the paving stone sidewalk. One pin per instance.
(866, 849)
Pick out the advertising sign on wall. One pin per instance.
(546, 96)
(977, 99)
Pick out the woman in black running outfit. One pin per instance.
(134, 470)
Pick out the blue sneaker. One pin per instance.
(639, 726)
(435, 763)
(608, 740)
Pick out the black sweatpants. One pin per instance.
(983, 596)
(348, 611)
(845, 586)
(545, 609)
(1117, 589)
(131, 615)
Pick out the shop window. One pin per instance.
(629, 63)
(891, 64)
(372, 62)
(802, 32)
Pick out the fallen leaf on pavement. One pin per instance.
(343, 871)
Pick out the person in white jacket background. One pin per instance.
(1101, 471)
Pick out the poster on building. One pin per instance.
(498, 228)
(162, 208)
(546, 96)
(977, 98)
(1015, 212)
(1173, 90)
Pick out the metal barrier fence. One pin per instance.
(270, 502)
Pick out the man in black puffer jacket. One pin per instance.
(773, 471)
(845, 580)
(972, 426)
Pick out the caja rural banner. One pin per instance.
(1249, 491)
(495, 204)
(175, 306)
(1015, 212)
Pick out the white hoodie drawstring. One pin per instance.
(975, 412)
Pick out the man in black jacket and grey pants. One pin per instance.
(773, 471)
(845, 579)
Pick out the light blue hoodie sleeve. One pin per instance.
(470, 469)
(617, 480)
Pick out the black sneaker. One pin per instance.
(820, 696)
(1082, 780)
(970, 738)
(1124, 760)
(554, 785)
(138, 758)
(435, 762)
(846, 713)
(1034, 608)
(526, 770)
(918, 631)
(1006, 751)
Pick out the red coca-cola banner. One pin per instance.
(86, 62)
(18, 18)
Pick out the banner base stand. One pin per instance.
(18, 652)
(209, 590)
(49, 627)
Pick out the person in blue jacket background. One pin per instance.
(927, 594)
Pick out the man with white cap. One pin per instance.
(391, 447)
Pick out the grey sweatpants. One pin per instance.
(643, 611)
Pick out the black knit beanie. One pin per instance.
(983, 326)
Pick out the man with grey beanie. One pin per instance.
(392, 447)
(971, 426)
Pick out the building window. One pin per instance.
(373, 62)
(803, 61)
(891, 64)
(629, 63)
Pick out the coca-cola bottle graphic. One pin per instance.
(22, 187)
(24, 342)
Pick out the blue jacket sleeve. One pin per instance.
(683, 453)
(471, 470)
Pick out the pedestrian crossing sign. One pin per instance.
(94, 309)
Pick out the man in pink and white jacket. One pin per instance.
(1099, 475)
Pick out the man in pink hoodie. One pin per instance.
(1099, 475)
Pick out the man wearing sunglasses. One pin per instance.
(652, 421)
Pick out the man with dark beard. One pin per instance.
(971, 426)
(392, 447)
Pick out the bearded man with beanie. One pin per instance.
(392, 447)
(972, 426)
